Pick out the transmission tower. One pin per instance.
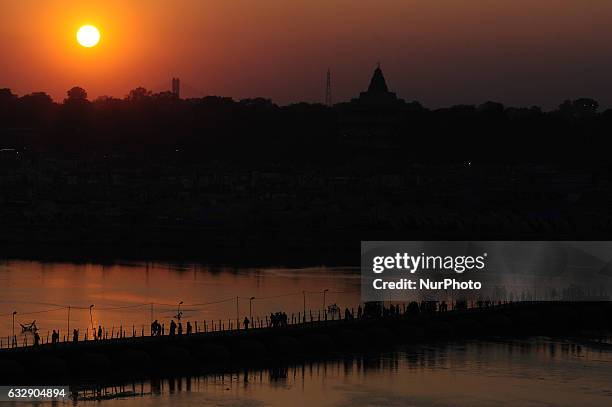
(328, 89)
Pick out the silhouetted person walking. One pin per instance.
(99, 332)
(172, 328)
(75, 335)
(246, 323)
(189, 328)
(180, 328)
(36, 339)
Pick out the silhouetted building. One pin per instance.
(176, 87)
(378, 93)
(374, 112)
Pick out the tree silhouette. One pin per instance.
(139, 94)
(36, 109)
(6, 96)
(76, 94)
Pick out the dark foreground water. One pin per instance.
(527, 373)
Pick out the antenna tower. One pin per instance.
(328, 89)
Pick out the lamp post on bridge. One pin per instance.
(14, 337)
(93, 330)
(251, 308)
(324, 291)
(178, 312)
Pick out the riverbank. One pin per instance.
(188, 244)
(262, 245)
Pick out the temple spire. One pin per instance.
(378, 84)
(378, 93)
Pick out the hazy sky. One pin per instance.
(440, 52)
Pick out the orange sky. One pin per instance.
(439, 52)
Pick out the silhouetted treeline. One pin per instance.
(155, 175)
(259, 129)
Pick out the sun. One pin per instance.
(88, 36)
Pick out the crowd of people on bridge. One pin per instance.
(280, 319)
(158, 329)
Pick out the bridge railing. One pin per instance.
(209, 326)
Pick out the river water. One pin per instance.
(128, 296)
(531, 372)
(528, 373)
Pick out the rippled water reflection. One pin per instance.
(535, 372)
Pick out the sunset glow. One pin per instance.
(88, 36)
(440, 53)
(334, 203)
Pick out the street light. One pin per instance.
(251, 308)
(91, 321)
(324, 291)
(14, 337)
(178, 312)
